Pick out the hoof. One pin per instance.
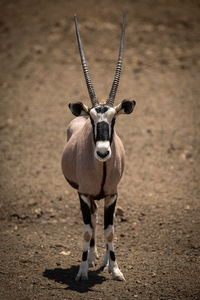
(81, 276)
(82, 273)
(117, 275)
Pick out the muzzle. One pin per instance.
(102, 150)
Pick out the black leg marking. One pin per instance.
(92, 242)
(84, 255)
(109, 215)
(112, 255)
(85, 212)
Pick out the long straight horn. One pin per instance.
(85, 69)
(113, 90)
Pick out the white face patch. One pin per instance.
(98, 115)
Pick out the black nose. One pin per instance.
(102, 155)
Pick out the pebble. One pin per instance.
(38, 49)
(66, 253)
(153, 274)
(186, 155)
(39, 212)
(119, 211)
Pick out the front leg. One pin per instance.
(109, 209)
(93, 254)
(87, 234)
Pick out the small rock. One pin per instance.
(38, 49)
(134, 224)
(149, 131)
(39, 212)
(124, 219)
(59, 245)
(66, 253)
(187, 207)
(153, 274)
(119, 211)
(171, 148)
(186, 155)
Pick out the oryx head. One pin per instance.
(102, 113)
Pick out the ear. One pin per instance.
(78, 109)
(125, 107)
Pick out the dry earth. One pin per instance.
(158, 237)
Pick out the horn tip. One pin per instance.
(124, 15)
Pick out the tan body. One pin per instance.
(83, 170)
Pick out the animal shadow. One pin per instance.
(67, 276)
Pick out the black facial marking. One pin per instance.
(102, 131)
(84, 256)
(112, 255)
(109, 215)
(93, 127)
(101, 109)
(112, 130)
(92, 242)
(85, 212)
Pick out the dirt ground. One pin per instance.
(158, 237)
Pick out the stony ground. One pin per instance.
(158, 236)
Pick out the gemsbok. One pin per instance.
(93, 163)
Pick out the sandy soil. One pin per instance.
(158, 237)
